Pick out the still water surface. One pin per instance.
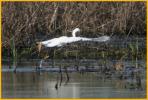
(81, 85)
(31, 84)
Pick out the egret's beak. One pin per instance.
(39, 45)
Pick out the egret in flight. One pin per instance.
(58, 42)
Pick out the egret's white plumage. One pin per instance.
(57, 42)
(74, 32)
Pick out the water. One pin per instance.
(81, 85)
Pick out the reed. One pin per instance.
(30, 22)
(14, 53)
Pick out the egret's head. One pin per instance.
(75, 31)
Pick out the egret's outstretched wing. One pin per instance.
(47, 43)
(57, 42)
(99, 39)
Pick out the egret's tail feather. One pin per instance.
(39, 45)
(101, 39)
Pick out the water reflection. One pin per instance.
(33, 85)
(105, 82)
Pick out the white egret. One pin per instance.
(58, 42)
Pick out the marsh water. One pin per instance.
(44, 84)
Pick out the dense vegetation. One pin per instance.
(25, 23)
